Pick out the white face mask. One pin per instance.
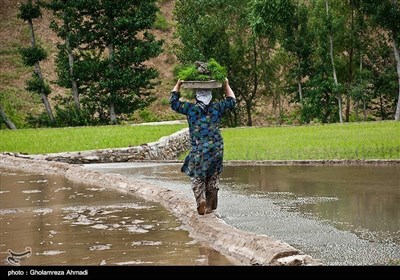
(204, 95)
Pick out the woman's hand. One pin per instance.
(228, 90)
(177, 86)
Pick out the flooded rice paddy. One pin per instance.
(341, 215)
(55, 222)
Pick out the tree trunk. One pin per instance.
(364, 109)
(249, 101)
(6, 120)
(347, 112)
(280, 107)
(357, 108)
(381, 105)
(339, 97)
(248, 111)
(113, 116)
(397, 56)
(299, 83)
(43, 96)
(46, 103)
(359, 98)
(74, 84)
(350, 77)
(40, 76)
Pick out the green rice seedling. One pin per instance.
(216, 72)
(54, 140)
(369, 140)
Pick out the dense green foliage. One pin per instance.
(329, 58)
(29, 10)
(306, 61)
(106, 44)
(219, 30)
(32, 55)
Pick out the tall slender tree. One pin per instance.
(297, 39)
(358, 75)
(33, 55)
(66, 11)
(277, 24)
(386, 14)
(329, 21)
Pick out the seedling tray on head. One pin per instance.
(201, 84)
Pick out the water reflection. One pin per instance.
(67, 224)
(352, 197)
(342, 215)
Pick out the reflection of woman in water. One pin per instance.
(204, 162)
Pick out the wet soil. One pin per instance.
(63, 223)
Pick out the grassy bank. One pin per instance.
(54, 140)
(369, 140)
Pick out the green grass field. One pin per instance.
(369, 140)
(54, 140)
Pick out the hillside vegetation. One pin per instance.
(289, 62)
(19, 103)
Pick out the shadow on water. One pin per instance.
(65, 224)
(342, 215)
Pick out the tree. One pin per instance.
(353, 39)
(277, 24)
(348, 28)
(66, 12)
(33, 55)
(111, 42)
(386, 14)
(221, 30)
(6, 120)
(297, 39)
(329, 22)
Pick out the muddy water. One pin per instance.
(342, 215)
(60, 223)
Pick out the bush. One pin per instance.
(70, 116)
(148, 116)
(41, 120)
(161, 23)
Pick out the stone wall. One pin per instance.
(167, 148)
